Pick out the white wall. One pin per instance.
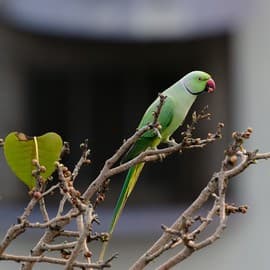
(251, 68)
(245, 243)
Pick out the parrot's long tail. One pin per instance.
(129, 184)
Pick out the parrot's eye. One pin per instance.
(199, 78)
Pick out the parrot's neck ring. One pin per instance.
(190, 92)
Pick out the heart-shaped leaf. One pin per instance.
(20, 151)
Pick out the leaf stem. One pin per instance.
(36, 149)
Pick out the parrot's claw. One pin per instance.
(161, 157)
(157, 132)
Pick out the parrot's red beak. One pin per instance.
(210, 86)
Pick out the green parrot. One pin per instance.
(179, 98)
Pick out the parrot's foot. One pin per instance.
(161, 157)
(156, 130)
(171, 142)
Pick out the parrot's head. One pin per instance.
(197, 82)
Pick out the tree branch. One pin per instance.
(44, 259)
(183, 233)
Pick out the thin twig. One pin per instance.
(54, 221)
(67, 233)
(50, 190)
(83, 160)
(154, 155)
(61, 205)
(43, 210)
(65, 245)
(182, 255)
(11, 234)
(16, 230)
(206, 221)
(90, 216)
(44, 259)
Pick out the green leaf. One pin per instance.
(20, 150)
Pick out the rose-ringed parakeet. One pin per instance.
(179, 98)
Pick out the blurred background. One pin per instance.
(89, 69)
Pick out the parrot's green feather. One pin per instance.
(179, 99)
(165, 117)
(130, 181)
(150, 138)
(141, 145)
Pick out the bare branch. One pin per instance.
(65, 150)
(67, 233)
(50, 190)
(182, 255)
(85, 230)
(52, 223)
(44, 259)
(11, 234)
(43, 210)
(83, 160)
(65, 245)
(16, 230)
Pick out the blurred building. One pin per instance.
(91, 68)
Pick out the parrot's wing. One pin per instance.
(165, 116)
(150, 138)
